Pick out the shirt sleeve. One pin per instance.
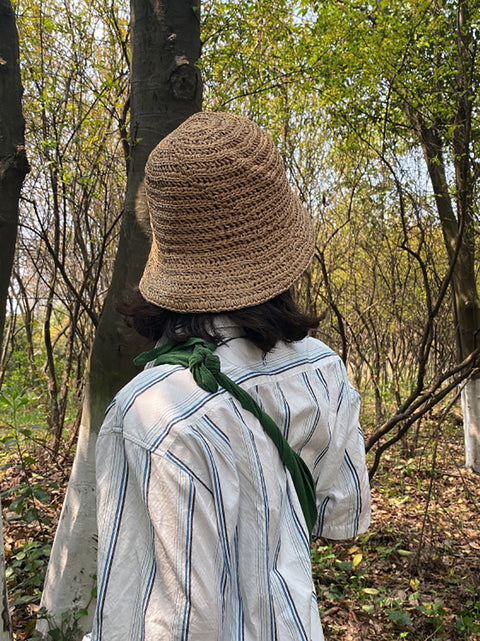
(160, 559)
(343, 489)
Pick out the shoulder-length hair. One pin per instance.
(278, 319)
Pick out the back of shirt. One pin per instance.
(201, 534)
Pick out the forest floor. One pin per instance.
(414, 575)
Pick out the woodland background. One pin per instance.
(374, 108)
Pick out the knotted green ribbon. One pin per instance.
(197, 355)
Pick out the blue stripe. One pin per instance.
(291, 605)
(265, 510)
(321, 515)
(240, 615)
(280, 369)
(218, 501)
(356, 482)
(110, 407)
(176, 461)
(340, 396)
(218, 431)
(146, 598)
(314, 423)
(322, 454)
(187, 585)
(139, 388)
(112, 543)
(151, 575)
(287, 413)
(298, 523)
(323, 382)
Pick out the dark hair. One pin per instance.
(279, 319)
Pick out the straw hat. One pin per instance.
(228, 232)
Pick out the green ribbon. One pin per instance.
(197, 355)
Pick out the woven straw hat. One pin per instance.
(228, 232)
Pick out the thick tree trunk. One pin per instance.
(165, 90)
(13, 169)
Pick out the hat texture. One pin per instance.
(228, 231)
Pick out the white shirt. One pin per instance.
(201, 534)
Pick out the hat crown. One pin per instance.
(220, 207)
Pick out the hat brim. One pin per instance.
(243, 278)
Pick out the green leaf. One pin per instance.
(399, 617)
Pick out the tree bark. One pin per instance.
(13, 169)
(165, 90)
(13, 160)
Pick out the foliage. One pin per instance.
(75, 79)
(402, 80)
(334, 82)
(69, 629)
(24, 361)
(28, 493)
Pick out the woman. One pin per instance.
(209, 460)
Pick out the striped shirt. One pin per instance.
(201, 534)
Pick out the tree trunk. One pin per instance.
(466, 293)
(13, 161)
(471, 422)
(466, 308)
(13, 169)
(458, 234)
(165, 90)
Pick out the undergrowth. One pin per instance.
(414, 575)
(32, 484)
